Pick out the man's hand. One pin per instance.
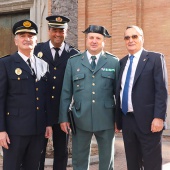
(116, 129)
(48, 132)
(157, 125)
(4, 140)
(65, 126)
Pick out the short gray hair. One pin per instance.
(138, 29)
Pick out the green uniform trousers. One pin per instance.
(81, 149)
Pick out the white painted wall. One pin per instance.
(38, 13)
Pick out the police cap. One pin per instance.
(25, 26)
(97, 29)
(58, 21)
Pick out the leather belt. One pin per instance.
(130, 113)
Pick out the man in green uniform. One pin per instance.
(90, 80)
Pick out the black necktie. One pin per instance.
(93, 63)
(56, 57)
(29, 63)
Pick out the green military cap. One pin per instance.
(25, 25)
(97, 29)
(58, 21)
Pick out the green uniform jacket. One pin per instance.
(92, 92)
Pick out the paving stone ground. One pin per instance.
(120, 161)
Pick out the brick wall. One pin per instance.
(152, 16)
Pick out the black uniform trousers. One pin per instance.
(24, 152)
(60, 141)
(143, 151)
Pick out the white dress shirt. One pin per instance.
(97, 56)
(53, 51)
(134, 66)
(32, 61)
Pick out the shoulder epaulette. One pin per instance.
(40, 43)
(110, 54)
(5, 56)
(69, 47)
(76, 55)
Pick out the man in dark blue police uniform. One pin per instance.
(56, 53)
(23, 101)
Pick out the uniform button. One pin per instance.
(78, 85)
(54, 77)
(37, 98)
(36, 89)
(93, 92)
(93, 101)
(93, 76)
(93, 84)
(19, 78)
(38, 108)
(36, 80)
(55, 68)
(52, 97)
(53, 87)
(7, 113)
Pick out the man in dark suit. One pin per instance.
(56, 53)
(23, 102)
(90, 79)
(141, 102)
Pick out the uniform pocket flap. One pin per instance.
(78, 77)
(109, 104)
(15, 77)
(109, 75)
(12, 112)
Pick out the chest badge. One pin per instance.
(18, 71)
(40, 54)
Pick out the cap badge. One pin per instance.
(59, 19)
(40, 54)
(27, 24)
(18, 71)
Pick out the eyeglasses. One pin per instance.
(134, 37)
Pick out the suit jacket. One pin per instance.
(92, 92)
(149, 91)
(23, 99)
(57, 71)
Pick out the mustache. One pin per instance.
(27, 43)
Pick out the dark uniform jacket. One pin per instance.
(57, 71)
(23, 98)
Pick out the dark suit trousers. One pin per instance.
(23, 151)
(60, 141)
(141, 148)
